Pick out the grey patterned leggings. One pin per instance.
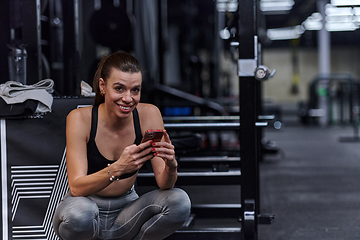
(154, 215)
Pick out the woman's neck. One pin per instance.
(111, 120)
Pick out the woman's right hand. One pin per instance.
(132, 159)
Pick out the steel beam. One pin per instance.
(249, 110)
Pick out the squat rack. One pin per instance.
(251, 73)
(250, 109)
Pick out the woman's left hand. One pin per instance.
(165, 150)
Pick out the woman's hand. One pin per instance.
(165, 150)
(132, 158)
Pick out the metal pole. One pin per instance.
(72, 48)
(324, 64)
(4, 39)
(249, 97)
(323, 42)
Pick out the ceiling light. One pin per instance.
(336, 19)
(312, 25)
(227, 5)
(335, 27)
(345, 2)
(313, 22)
(338, 11)
(225, 33)
(356, 10)
(285, 33)
(342, 18)
(276, 5)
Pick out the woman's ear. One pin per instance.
(101, 85)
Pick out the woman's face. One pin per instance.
(122, 91)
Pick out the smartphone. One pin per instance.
(153, 134)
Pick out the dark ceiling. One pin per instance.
(298, 14)
(187, 13)
(300, 11)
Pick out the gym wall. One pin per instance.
(278, 89)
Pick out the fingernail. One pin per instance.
(153, 149)
(151, 141)
(155, 154)
(153, 144)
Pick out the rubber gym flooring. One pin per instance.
(313, 186)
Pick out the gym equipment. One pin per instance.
(192, 99)
(209, 171)
(250, 108)
(207, 126)
(33, 171)
(112, 27)
(356, 123)
(341, 91)
(263, 73)
(248, 124)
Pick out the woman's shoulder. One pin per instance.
(78, 123)
(150, 116)
(82, 114)
(147, 109)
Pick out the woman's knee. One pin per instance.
(179, 202)
(76, 218)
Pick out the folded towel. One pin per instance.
(86, 90)
(12, 88)
(14, 92)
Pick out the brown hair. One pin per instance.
(120, 60)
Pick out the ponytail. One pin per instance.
(99, 98)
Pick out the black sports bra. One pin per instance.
(96, 161)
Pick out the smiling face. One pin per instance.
(122, 91)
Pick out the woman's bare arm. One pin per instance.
(81, 184)
(164, 164)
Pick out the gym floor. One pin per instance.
(312, 187)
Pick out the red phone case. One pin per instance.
(153, 134)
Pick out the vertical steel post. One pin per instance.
(249, 97)
(4, 39)
(30, 14)
(324, 59)
(71, 49)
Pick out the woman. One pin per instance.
(103, 155)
